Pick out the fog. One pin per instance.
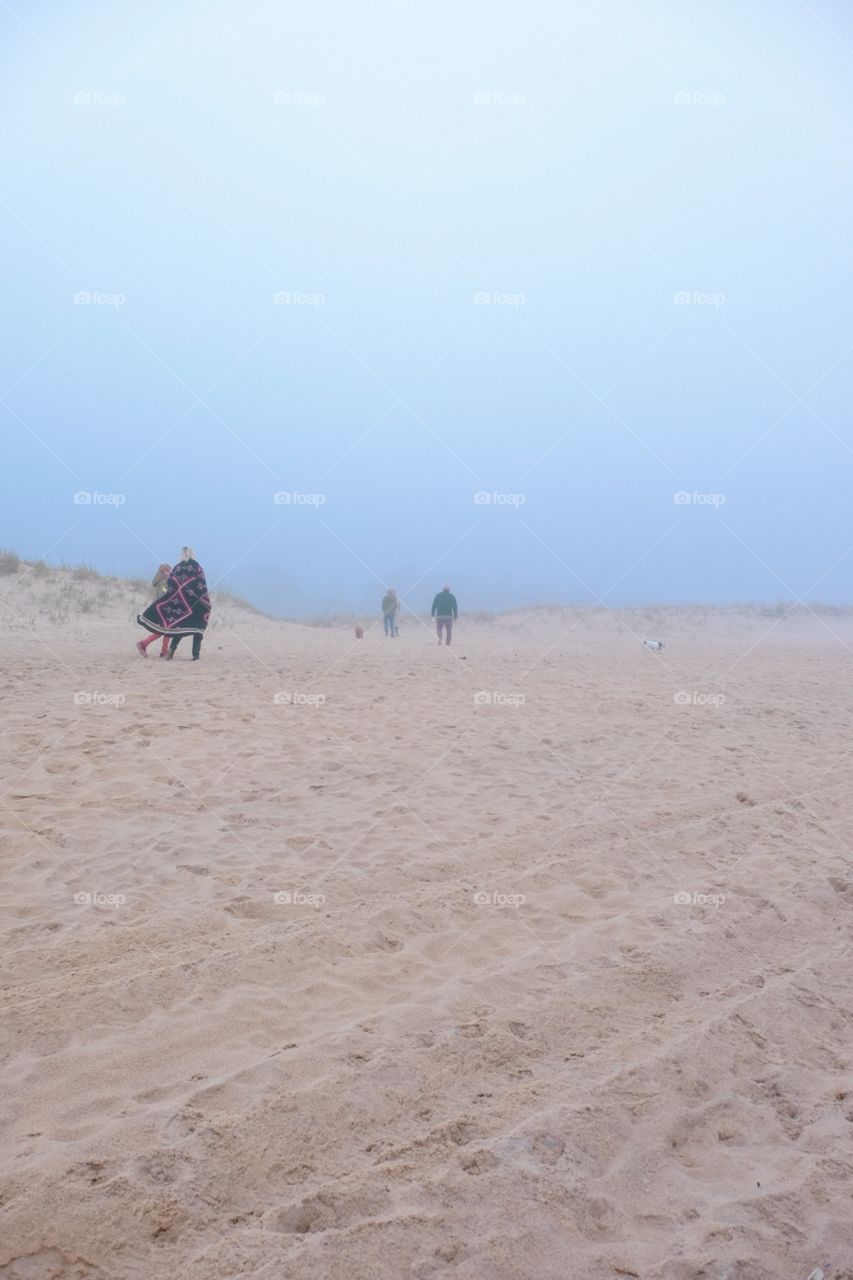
(550, 302)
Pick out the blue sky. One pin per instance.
(384, 257)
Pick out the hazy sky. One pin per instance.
(381, 257)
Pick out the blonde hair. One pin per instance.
(187, 553)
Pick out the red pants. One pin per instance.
(444, 624)
(150, 640)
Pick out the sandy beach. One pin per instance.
(527, 959)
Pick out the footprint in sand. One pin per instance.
(330, 1211)
(519, 1029)
(476, 1162)
(91, 1171)
(49, 1264)
(385, 943)
(842, 887)
(160, 1169)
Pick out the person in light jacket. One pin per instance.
(390, 609)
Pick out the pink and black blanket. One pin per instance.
(185, 608)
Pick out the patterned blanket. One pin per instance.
(185, 608)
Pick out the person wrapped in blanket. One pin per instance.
(184, 608)
(160, 584)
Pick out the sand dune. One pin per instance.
(332, 959)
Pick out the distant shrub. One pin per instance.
(40, 568)
(84, 573)
(833, 610)
(9, 562)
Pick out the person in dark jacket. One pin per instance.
(444, 610)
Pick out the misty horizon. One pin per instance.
(593, 268)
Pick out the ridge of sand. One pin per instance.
(318, 964)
